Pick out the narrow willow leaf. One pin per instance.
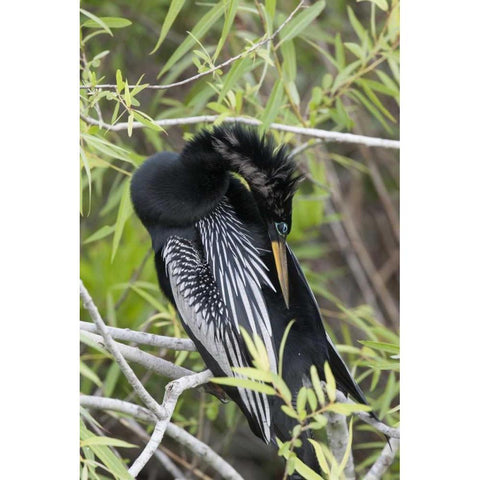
(298, 24)
(250, 344)
(231, 8)
(312, 399)
(384, 347)
(97, 20)
(282, 345)
(125, 209)
(357, 26)
(274, 103)
(317, 385)
(111, 379)
(301, 400)
(173, 11)
(330, 381)
(87, 372)
(130, 124)
(339, 52)
(147, 121)
(289, 411)
(306, 471)
(375, 100)
(245, 383)
(112, 22)
(263, 361)
(289, 65)
(254, 373)
(113, 442)
(270, 7)
(282, 387)
(102, 232)
(103, 452)
(149, 298)
(200, 29)
(356, 49)
(370, 107)
(322, 460)
(348, 408)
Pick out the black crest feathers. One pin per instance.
(269, 171)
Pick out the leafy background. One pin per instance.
(335, 66)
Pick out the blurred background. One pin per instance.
(335, 66)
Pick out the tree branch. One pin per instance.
(112, 347)
(365, 417)
(213, 69)
(142, 338)
(384, 461)
(147, 360)
(338, 436)
(325, 135)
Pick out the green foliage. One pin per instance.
(334, 66)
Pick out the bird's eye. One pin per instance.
(282, 228)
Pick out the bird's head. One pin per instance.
(272, 178)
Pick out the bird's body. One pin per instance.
(222, 260)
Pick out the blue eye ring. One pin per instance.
(282, 228)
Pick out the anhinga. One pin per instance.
(222, 259)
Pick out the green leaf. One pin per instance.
(173, 11)
(282, 387)
(147, 121)
(282, 345)
(317, 385)
(348, 408)
(381, 4)
(273, 105)
(322, 460)
(87, 372)
(356, 49)
(306, 471)
(113, 442)
(200, 29)
(102, 232)
(330, 381)
(245, 383)
(230, 11)
(357, 26)
(239, 68)
(111, 379)
(125, 209)
(301, 400)
(384, 347)
(339, 52)
(289, 411)
(298, 24)
(254, 373)
(112, 22)
(103, 452)
(97, 21)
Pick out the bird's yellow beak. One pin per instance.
(280, 254)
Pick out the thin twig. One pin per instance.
(325, 135)
(213, 69)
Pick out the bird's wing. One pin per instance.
(340, 370)
(239, 273)
(204, 311)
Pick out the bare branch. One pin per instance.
(147, 360)
(112, 347)
(365, 417)
(338, 436)
(173, 431)
(383, 462)
(325, 135)
(213, 69)
(142, 338)
(148, 451)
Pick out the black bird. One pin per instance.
(219, 215)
